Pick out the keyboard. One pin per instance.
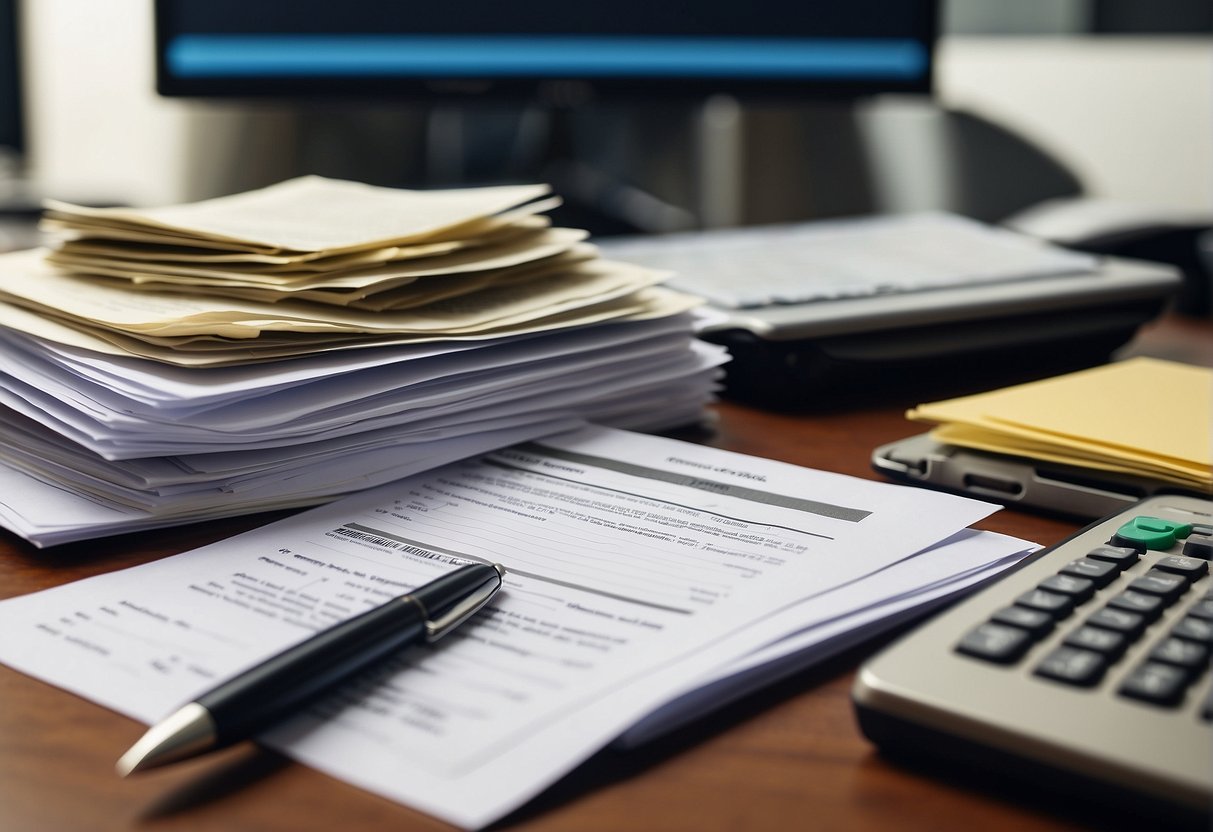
(1087, 669)
(753, 267)
(867, 304)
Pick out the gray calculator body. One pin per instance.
(1052, 704)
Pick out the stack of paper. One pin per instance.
(282, 347)
(1146, 417)
(647, 582)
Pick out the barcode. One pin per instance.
(425, 553)
(388, 543)
(371, 538)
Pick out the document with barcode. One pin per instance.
(636, 565)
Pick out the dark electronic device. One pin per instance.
(542, 50)
(18, 205)
(1014, 481)
(12, 130)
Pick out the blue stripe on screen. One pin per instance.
(276, 56)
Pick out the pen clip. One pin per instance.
(462, 611)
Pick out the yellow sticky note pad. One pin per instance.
(1142, 413)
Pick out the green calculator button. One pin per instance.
(1151, 533)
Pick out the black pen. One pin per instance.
(281, 685)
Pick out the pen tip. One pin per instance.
(128, 763)
(186, 733)
(500, 570)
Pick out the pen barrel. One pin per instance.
(281, 685)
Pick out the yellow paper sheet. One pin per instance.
(978, 439)
(314, 214)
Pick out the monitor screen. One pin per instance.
(544, 49)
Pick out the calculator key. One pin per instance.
(1034, 621)
(1105, 642)
(1186, 654)
(995, 643)
(1202, 530)
(1193, 568)
(1080, 589)
(1101, 572)
(1122, 556)
(1164, 584)
(1058, 606)
(1199, 546)
(1073, 666)
(1160, 684)
(1202, 609)
(1150, 606)
(1153, 533)
(1128, 623)
(1194, 629)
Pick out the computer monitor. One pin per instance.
(544, 50)
(601, 99)
(12, 128)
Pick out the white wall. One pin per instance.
(1132, 117)
(97, 129)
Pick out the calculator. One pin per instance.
(1086, 669)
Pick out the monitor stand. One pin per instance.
(19, 206)
(619, 169)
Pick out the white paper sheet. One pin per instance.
(631, 559)
(147, 440)
(47, 513)
(812, 630)
(158, 385)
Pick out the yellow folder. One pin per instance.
(1143, 416)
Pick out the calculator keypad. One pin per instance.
(1158, 684)
(1119, 602)
(1099, 572)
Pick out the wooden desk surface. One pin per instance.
(788, 758)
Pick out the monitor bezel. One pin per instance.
(569, 91)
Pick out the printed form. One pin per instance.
(629, 558)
